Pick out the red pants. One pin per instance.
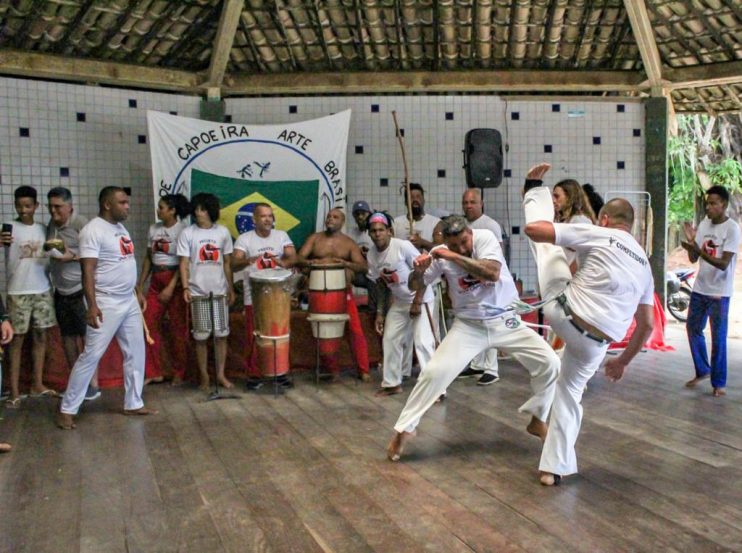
(251, 352)
(176, 312)
(358, 345)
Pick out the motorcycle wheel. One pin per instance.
(678, 303)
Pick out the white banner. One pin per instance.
(304, 151)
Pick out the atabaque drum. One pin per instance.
(327, 289)
(271, 299)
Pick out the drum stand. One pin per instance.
(277, 389)
(216, 394)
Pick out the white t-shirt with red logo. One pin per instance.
(254, 245)
(27, 261)
(471, 297)
(111, 245)
(393, 266)
(205, 249)
(613, 277)
(163, 242)
(715, 240)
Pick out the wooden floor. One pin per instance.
(660, 470)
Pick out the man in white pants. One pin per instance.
(484, 364)
(481, 289)
(109, 276)
(389, 265)
(590, 309)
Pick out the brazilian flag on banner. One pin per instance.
(294, 202)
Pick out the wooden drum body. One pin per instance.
(328, 305)
(270, 290)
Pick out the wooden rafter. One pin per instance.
(71, 26)
(644, 36)
(228, 21)
(700, 76)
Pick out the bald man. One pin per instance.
(590, 309)
(472, 204)
(332, 246)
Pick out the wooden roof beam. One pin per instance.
(230, 18)
(698, 76)
(644, 36)
(47, 66)
(426, 81)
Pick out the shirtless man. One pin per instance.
(332, 246)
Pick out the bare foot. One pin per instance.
(718, 392)
(154, 380)
(43, 392)
(549, 479)
(538, 428)
(141, 412)
(204, 385)
(397, 445)
(224, 383)
(695, 381)
(364, 377)
(383, 392)
(4, 448)
(176, 381)
(64, 421)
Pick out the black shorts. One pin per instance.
(71, 313)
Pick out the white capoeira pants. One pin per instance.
(466, 339)
(400, 332)
(582, 355)
(487, 362)
(122, 318)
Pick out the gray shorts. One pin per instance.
(201, 316)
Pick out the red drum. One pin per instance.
(327, 289)
(328, 304)
(271, 299)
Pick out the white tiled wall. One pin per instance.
(105, 148)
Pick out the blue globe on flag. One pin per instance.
(243, 219)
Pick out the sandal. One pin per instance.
(14, 403)
(46, 393)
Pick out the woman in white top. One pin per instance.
(165, 294)
(571, 204)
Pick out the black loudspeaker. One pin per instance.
(483, 158)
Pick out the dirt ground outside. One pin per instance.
(679, 258)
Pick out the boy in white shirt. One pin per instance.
(205, 252)
(30, 303)
(714, 245)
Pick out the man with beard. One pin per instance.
(423, 224)
(331, 246)
(482, 290)
(109, 277)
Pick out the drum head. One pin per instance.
(270, 275)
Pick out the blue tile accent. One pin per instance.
(81, 117)
(64, 171)
(449, 116)
(515, 230)
(132, 103)
(556, 108)
(383, 181)
(441, 173)
(293, 109)
(515, 115)
(142, 138)
(508, 173)
(620, 165)
(359, 149)
(173, 113)
(637, 132)
(374, 108)
(596, 140)
(228, 118)
(24, 132)
(547, 148)
(620, 108)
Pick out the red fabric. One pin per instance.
(358, 344)
(176, 338)
(656, 340)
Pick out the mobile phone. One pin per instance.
(7, 227)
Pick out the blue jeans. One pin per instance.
(701, 309)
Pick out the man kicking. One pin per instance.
(589, 310)
(481, 289)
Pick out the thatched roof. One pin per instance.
(689, 49)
